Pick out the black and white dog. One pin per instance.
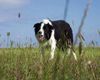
(56, 33)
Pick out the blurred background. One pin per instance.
(17, 18)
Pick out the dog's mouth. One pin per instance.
(41, 37)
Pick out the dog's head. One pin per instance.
(43, 30)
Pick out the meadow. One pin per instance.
(34, 64)
(31, 63)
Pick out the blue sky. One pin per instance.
(33, 11)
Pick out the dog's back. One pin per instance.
(63, 31)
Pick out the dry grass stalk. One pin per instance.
(82, 21)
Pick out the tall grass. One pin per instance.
(26, 64)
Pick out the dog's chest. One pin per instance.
(52, 38)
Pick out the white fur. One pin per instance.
(41, 29)
(52, 42)
(46, 21)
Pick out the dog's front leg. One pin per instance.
(53, 47)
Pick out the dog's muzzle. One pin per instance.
(41, 38)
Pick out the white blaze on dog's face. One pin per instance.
(43, 30)
(45, 22)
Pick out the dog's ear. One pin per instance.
(50, 26)
(36, 25)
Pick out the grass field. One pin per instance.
(30, 64)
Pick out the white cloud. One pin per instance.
(13, 3)
(9, 9)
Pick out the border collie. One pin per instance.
(56, 33)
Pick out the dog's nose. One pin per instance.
(39, 32)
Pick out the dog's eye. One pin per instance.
(37, 29)
(44, 27)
